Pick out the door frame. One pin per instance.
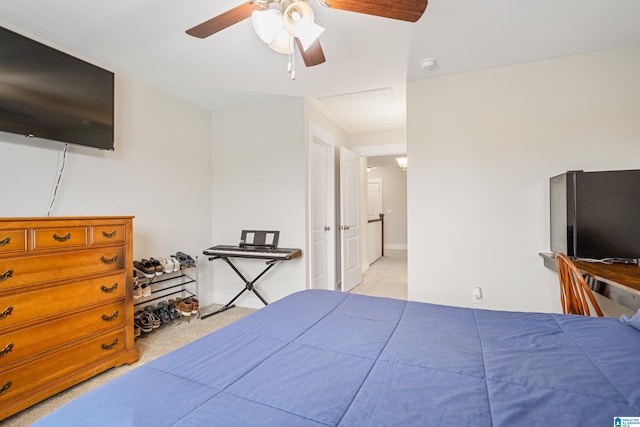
(383, 150)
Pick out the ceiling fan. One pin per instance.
(287, 24)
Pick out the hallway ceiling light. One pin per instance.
(402, 162)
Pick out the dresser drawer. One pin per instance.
(13, 241)
(48, 238)
(23, 271)
(40, 303)
(27, 342)
(107, 234)
(40, 373)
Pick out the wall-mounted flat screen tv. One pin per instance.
(46, 93)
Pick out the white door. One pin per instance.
(374, 198)
(322, 209)
(350, 272)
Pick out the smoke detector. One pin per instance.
(428, 63)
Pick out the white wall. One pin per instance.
(386, 137)
(159, 172)
(313, 114)
(259, 182)
(483, 146)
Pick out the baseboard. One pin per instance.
(392, 246)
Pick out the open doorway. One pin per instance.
(386, 197)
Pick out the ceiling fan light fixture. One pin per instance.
(299, 22)
(267, 23)
(297, 16)
(282, 42)
(297, 12)
(309, 33)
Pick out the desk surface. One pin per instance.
(618, 282)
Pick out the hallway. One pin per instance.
(386, 277)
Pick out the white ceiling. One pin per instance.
(383, 162)
(372, 55)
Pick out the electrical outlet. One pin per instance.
(477, 295)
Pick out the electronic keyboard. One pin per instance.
(252, 252)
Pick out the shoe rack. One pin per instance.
(184, 281)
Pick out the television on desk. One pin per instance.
(596, 215)
(48, 94)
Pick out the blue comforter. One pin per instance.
(321, 358)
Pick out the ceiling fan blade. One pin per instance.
(313, 55)
(404, 10)
(224, 20)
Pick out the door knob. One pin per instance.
(327, 228)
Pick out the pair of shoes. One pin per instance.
(141, 319)
(157, 266)
(162, 311)
(176, 264)
(155, 319)
(195, 304)
(173, 313)
(141, 286)
(136, 330)
(171, 264)
(167, 265)
(137, 291)
(185, 260)
(145, 267)
(145, 287)
(182, 306)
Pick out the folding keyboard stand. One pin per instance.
(248, 285)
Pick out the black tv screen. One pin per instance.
(46, 93)
(596, 215)
(607, 223)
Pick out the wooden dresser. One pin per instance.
(66, 307)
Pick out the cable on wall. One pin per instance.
(55, 190)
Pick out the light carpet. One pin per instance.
(152, 345)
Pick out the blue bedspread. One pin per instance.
(321, 358)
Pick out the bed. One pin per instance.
(322, 358)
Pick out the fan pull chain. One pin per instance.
(291, 66)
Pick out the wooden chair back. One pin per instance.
(575, 295)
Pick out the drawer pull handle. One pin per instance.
(5, 241)
(7, 311)
(5, 387)
(110, 346)
(106, 290)
(109, 260)
(6, 350)
(61, 238)
(4, 276)
(109, 235)
(110, 318)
